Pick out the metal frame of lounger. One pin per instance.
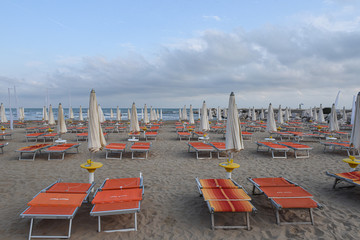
(48, 216)
(146, 151)
(307, 150)
(247, 219)
(201, 150)
(151, 136)
(187, 136)
(113, 151)
(2, 147)
(31, 152)
(36, 138)
(219, 151)
(61, 152)
(333, 145)
(257, 186)
(48, 136)
(338, 179)
(284, 150)
(4, 135)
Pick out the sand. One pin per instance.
(172, 208)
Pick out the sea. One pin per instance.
(37, 113)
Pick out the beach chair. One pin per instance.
(49, 136)
(273, 147)
(284, 194)
(33, 150)
(219, 147)
(118, 196)
(115, 148)
(246, 135)
(140, 147)
(2, 145)
(134, 134)
(182, 135)
(342, 146)
(61, 149)
(350, 177)
(33, 136)
(298, 147)
(58, 201)
(200, 147)
(84, 136)
(225, 196)
(6, 135)
(151, 135)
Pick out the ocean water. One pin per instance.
(37, 113)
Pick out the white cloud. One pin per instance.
(216, 18)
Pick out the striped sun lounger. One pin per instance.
(140, 147)
(273, 147)
(350, 177)
(33, 150)
(61, 149)
(297, 147)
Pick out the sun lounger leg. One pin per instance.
(48, 236)
(277, 217)
(311, 216)
(119, 230)
(212, 221)
(248, 221)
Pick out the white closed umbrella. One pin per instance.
(152, 116)
(286, 116)
(2, 114)
(333, 122)
(45, 114)
(344, 117)
(315, 115)
(129, 114)
(249, 113)
(270, 121)
(184, 113)
(81, 118)
(199, 114)
(134, 123)
(118, 114)
(204, 121)
(51, 116)
(353, 111)
(262, 114)
(146, 116)
(142, 114)
(111, 114)
(96, 139)
(61, 125)
(157, 114)
(191, 115)
(219, 114)
(71, 113)
(355, 132)
(21, 114)
(253, 115)
(161, 116)
(310, 113)
(280, 116)
(321, 117)
(101, 114)
(180, 114)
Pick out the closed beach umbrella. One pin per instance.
(96, 139)
(344, 117)
(80, 114)
(152, 116)
(184, 113)
(118, 114)
(2, 114)
(286, 115)
(146, 116)
(233, 137)
(180, 114)
(262, 115)
(199, 114)
(51, 116)
(61, 125)
(111, 114)
(134, 123)
(100, 114)
(129, 114)
(353, 111)
(157, 114)
(253, 115)
(161, 116)
(355, 132)
(333, 122)
(204, 121)
(280, 116)
(21, 114)
(142, 114)
(321, 117)
(219, 114)
(71, 113)
(249, 113)
(45, 114)
(315, 116)
(310, 113)
(191, 115)
(270, 124)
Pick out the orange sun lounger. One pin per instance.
(33, 136)
(84, 136)
(2, 145)
(115, 148)
(273, 147)
(298, 147)
(140, 147)
(219, 147)
(342, 145)
(58, 201)
(151, 135)
(350, 177)
(49, 136)
(118, 196)
(5, 135)
(61, 149)
(200, 147)
(284, 194)
(32, 150)
(182, 135)
(225, 195)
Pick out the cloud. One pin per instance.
(279, 64)
(216, 18)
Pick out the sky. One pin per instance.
(172, 53)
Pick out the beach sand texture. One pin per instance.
(172, 208)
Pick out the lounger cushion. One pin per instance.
(63, 187)
(285, 192)
(57, 199)
(121, 183)
(296, 202)
(50, 210)
(272, 182)
(217, 183)
(114, 196)
(224, 194)
(355, 175)
(116, 206)
(117, 146)
(231, 206)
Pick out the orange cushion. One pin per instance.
(63, 187)
(231, 206)
(121, 183)
(116, 206)
(285, 192)
(224, 194)
(64, 210)
(355, 175)
(272, 182)
(217, 183)
(296, 202)
(57, 199)
(114, 196)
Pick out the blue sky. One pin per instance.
(171, 53)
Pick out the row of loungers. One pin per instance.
(47, 148)
(345, 146)
(119, 148)
(283, 148)
(61, 200)
(200, 147)
(225, 195)
(41, 136)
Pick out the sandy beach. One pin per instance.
(172, 208)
